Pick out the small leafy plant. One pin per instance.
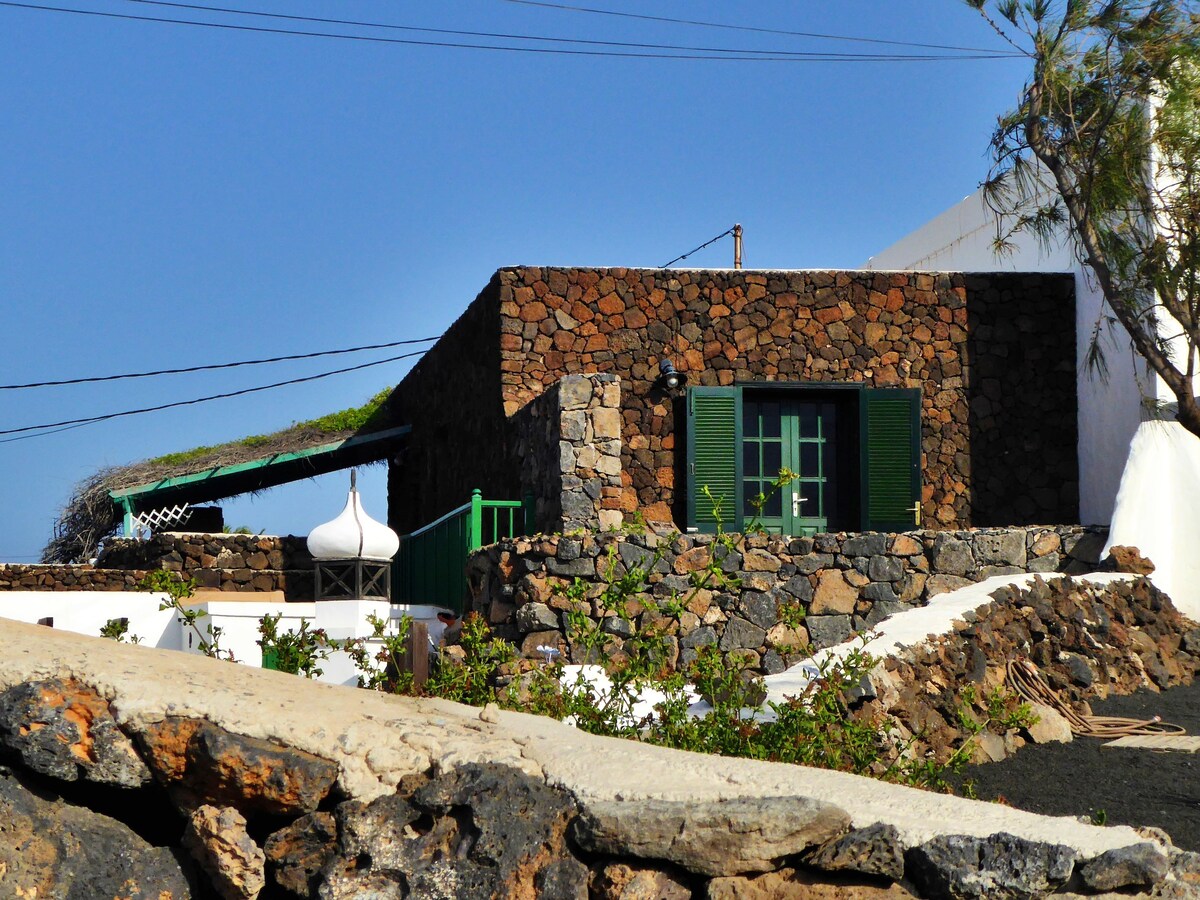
(299, 652)
(118, 630)
(208, 640)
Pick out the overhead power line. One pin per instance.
(208, 368)
(485, 34)
(806, 34)
(88, 420)
(796, 56)
(690, 252)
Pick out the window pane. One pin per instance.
(809, 422)
(770, 420)
(772, 458)
(774, 505)
(810, 459)
(750, 459)
(810, 506)
(749, 492)
(749, 419)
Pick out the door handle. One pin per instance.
(915, 509)
(796, 501)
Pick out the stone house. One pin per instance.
(901, 400)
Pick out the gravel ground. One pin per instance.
(1111, 785)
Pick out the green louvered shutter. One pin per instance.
(712, 456)
(891, 458)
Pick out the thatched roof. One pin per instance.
(91, 515)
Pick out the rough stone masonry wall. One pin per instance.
(461, 439)
(18, 577)
(569, 444)
(256, 783)
(839, 583)
(1087, 641)
(994, 357)
(226, 562)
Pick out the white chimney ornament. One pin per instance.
(353, 534)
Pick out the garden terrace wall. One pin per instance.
(1088, 642)
(841, 583)
(993, 356)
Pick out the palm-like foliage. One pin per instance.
(1105, 140)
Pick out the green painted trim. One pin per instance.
(126, 496)
(475, 525)
(126, 516)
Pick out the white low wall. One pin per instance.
(86, 612)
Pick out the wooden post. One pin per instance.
(416, 653)
(737, 246)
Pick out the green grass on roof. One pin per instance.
(351, 419)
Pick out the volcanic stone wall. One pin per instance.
(18, 577)
(1086, 641)
(225, 562)
(461, 438)
(790, 595)
(569, 445)
(992, 354)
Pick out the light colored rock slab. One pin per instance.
(376, 740)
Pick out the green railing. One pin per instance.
(431, 564)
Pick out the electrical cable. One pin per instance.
(259, 29)
(209, 368)
(75, 423)
(488, 34)
(690, 252)
(807, 34)
(1028, 683)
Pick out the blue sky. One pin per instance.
(176, 196)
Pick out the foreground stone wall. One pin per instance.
(791, 593)
(255, 781)
(992, 354)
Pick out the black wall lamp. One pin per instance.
(669, 378)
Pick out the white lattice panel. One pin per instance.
(164, 518)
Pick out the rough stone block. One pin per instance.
(712, 838)
(828, 631)
(951, 556)
(834, 595)
(885, 568)
(64, 729)
(207, 764)
(574, 392)
(741, 634)
(870, 544)
(998, 548)
(998, 866)
(55, 849)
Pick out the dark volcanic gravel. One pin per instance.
(1123, 787)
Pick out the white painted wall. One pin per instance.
(960, 240)
(85, 612)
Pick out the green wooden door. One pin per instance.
(891, 459)
(790, 435)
